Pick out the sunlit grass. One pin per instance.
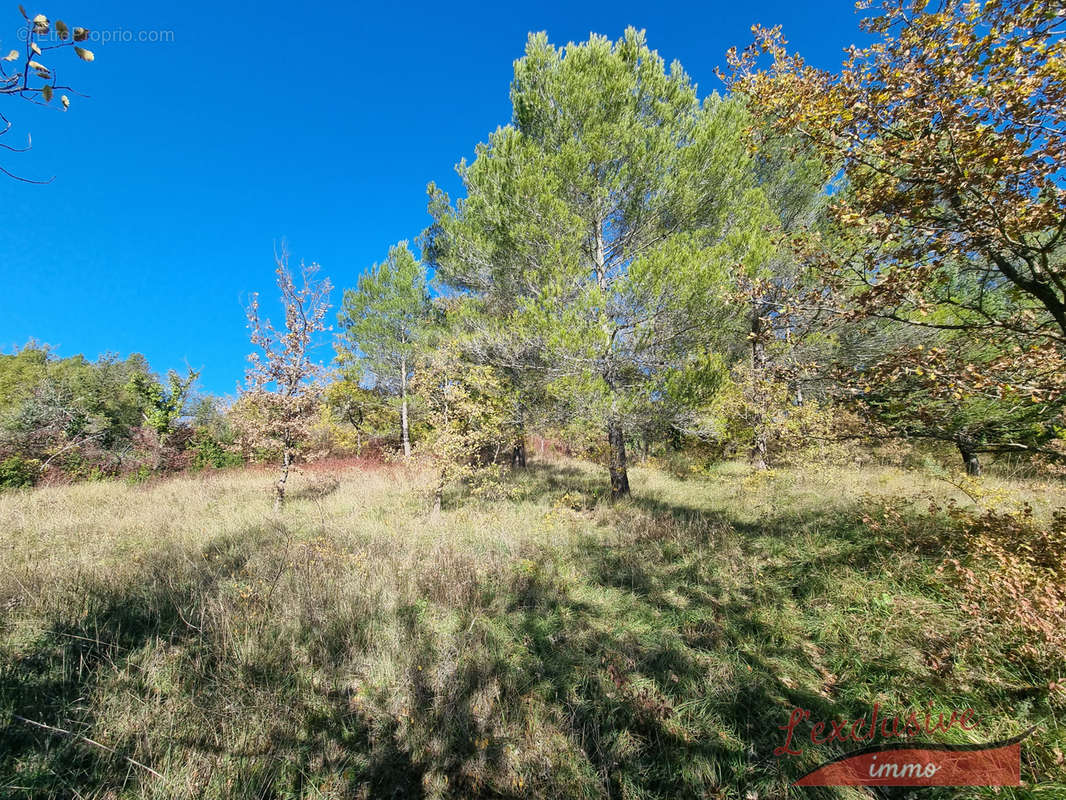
(542, 643)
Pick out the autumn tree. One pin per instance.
(910, 402)
(782, 334)
(282, 388)
(949, 133)
(25, 73)
(358, 417)
(380, 322)
(604, 220)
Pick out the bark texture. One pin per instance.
(758, 455)
(617, 459)
(968, 450)
(404, 430)
(283, 479)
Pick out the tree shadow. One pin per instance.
(658, 667)
(51, 679)
(674, 682)
(539, 479)
(631, 691)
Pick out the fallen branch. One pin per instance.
(88, 740)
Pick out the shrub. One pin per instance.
(209, 452)
(140, 475)
(1008, 566)
(1015, 575)
(16, 472)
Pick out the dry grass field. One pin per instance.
(177, 640)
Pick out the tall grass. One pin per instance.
(179, 641)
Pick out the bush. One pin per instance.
(91, 466)
(209, 452)
(1008, 566)
(16, 472)
(1016, 576)
(142, 474)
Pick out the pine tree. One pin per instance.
(603, 223)
(381, 321)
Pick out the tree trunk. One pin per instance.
(757, 456)
(617, 459)
(157, 456)
(675, 441)
(616, 439)
(600, 256)
(968, 450)
(758, 369)
(518, 456)
(404, 431)
(279, 487)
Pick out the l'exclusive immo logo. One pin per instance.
(892, 756)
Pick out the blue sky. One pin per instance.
(320, 124)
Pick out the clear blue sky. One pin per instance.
(318, 123)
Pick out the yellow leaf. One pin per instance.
(35, 48)
(40, 23)
(14, 54)
(83, 54)
(61, 29)
(27, 16)
(80, 34)
(46, 93)
(65, 101)
(38, 65)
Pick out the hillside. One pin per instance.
(177, 640)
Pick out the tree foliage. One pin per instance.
(949, 132)
(381, 321)
(467, 406)
(163, 405)
(70, 413)
(603, 222)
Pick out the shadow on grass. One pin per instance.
(663, 699)
(56, 678)
(539, 479)
(677, 667)
(51, 679)
(659, 661)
